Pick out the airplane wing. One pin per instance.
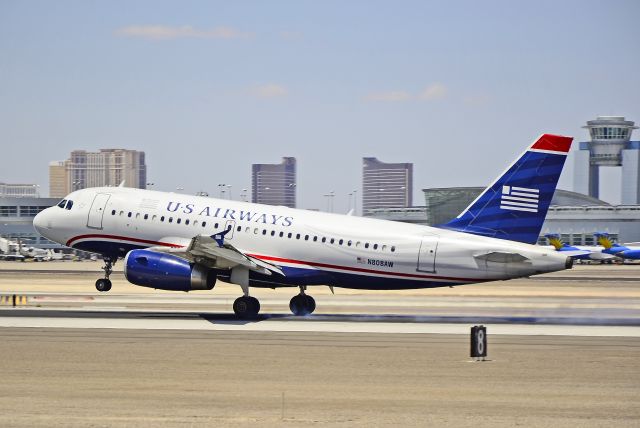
(213, 252)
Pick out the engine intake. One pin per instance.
(166, 272)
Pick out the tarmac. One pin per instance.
(563, 351)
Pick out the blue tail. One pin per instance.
(515, 205)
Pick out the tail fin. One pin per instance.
(515, 205)
(604, 239)
(554, 239)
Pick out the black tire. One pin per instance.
(103, 285)
(246, 307)
(302, 305)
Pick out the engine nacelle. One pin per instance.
(166, 272)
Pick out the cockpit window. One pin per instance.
(62, 203)
(69, 204)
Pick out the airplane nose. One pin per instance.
(40, 222)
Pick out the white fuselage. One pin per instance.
(311, 247)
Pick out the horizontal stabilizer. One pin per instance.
(501, 257)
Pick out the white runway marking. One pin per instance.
(317, 326)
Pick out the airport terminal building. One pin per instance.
(576, 217)
(16, 220)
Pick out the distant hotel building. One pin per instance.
(18, 190)
(386, 185)
(274, 184)
(108, 167)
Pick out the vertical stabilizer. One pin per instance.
(515, 205)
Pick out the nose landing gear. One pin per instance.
(104, 284)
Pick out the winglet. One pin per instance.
(219, 237)
(121, 184)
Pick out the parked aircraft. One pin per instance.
(622, 251)
(580, 252)
(179, 242)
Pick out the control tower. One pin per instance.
(610, 146)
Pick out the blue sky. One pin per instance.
(207, 88)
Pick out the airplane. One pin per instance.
(622, 251)
(581, 252)
(180, 242)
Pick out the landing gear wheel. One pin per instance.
(103, 285)
(246, 307)
(302, 304)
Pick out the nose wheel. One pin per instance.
(302, 304)
(104, 284)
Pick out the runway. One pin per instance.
(563, 351)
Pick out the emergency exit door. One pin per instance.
(96, 212)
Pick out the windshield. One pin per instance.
(62, 203)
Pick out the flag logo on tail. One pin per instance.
(519, 199)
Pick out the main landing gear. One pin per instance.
(302, 304)
(104, 284)
(247, 307)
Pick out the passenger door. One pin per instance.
(96, 212)
(427, 254)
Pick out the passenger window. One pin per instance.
(264, 231)
(393, 249)
(186, 222)
(349, 243)
(255, 231)
(247, 229)
(297, 236)
(324, 239)
(178, 221)
(340, 242)
(366, 245)
(216, 226)
(113, 212)
(375, 246)
(315, 239)
(357, 243)
(332, 241)
(146, 216)
(384, 247)
(195, 222)
(204, 223)
(121, 213)
(239, 228)
(289, 235)
(306, 237)
(281, 234)
(129, 215)
(162, 218)
(273, 233)
(137, 215)
(170, 219)
(154, 218)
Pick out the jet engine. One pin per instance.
(166, 272)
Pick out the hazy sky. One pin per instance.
(207, 88)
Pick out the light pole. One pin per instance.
(329, 197)
(228, 186)
(355, 202)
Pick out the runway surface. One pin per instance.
(563, 351)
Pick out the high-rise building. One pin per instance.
(18, 190)
(386, 185)
(274, 184)
(610, 146)
(108, 167)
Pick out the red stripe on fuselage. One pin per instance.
(123, 238)
(284, 260)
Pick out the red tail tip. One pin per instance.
(555, 143)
